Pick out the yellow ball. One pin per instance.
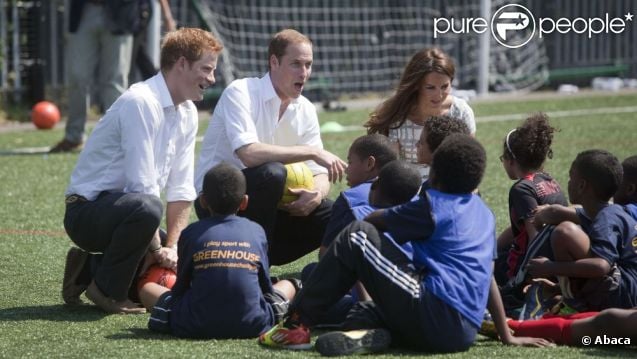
(299, 176)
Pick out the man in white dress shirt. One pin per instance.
(260, 124)
(144, 144)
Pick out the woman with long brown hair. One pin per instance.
(423, 92)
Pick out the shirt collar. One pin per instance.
(269, 91)
(162, 90)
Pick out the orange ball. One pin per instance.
(165, 277)
(45, 115)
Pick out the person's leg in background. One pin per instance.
(116, 53)
(82, 59)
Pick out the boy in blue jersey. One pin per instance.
(433, 302)
(223, 287)
(595, 262)
(397, 183)
(366, 156)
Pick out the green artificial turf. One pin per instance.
(34, 323)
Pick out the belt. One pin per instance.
(75, 198)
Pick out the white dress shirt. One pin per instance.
(143, 144)
(248, 112)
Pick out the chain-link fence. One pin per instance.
(360, 46)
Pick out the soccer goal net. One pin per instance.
(362, 46)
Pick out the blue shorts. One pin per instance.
(160, 315)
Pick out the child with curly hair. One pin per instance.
(525, 149)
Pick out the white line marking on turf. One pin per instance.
(521, 116)
(566, 113)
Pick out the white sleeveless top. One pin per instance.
(408, 134)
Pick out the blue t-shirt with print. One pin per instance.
(222, 274)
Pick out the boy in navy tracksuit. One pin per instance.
(433, 302)
(223, 287)
(397, 182)
(595, 246)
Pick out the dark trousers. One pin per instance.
(119, 225)
(289, 237)
(415, 317)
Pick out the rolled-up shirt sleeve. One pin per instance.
(139, 127)
(236, 113)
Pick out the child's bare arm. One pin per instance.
(531, 230)
(361, 292)
(505, 239)
(594, 267)
(377, 219)
(554, 214)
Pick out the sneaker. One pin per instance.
(363, 315)
(66, 146)
(286, 335)
(353, 342)
(71, 288)
(487, 328)
(537, 302)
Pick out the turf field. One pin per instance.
(34, 323)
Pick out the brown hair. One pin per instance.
(281, 40)
(393, 112)
(190, 43)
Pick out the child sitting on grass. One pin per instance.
(611, 323)
(223, 287)
(366, 156)
(434, 301)
(397, 183)
(525, 149)
(595, 261)
(433, 133)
